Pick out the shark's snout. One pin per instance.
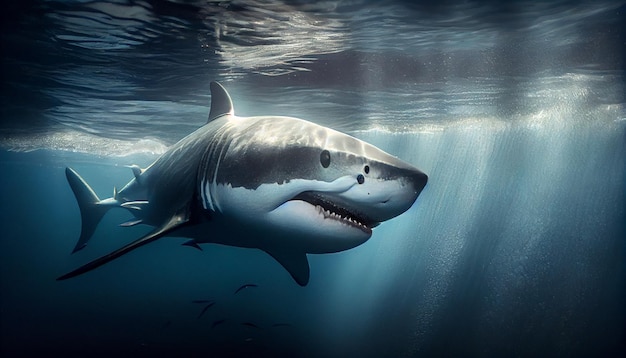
(387, 196)
(419, 181)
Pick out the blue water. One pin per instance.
(516, 112)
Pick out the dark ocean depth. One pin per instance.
(515, 110)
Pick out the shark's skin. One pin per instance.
(283, 185)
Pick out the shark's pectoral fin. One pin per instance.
(173, 223)
(295, 263)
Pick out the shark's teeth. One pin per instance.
(343, 219)
(329, 209)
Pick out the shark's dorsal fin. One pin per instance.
(174, 222)
(221, 104)
(295, 263)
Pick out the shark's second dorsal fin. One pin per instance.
(137, 171)
(221, 104)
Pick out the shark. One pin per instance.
(283, 185)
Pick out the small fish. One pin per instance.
(206, 308)
(217, 323)
(251, 325)
(247, 285)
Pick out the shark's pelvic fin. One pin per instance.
(134, 205)
(221, 104)
(192, 243)
(296, 264)
(174, 222)
(131, 223)
(91, 212)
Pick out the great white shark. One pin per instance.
(283, 185)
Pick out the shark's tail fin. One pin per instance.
(91, 209)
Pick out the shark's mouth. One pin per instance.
(332, 210)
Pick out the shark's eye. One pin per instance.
(325, 158)
(360, 179)
(366, 169)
